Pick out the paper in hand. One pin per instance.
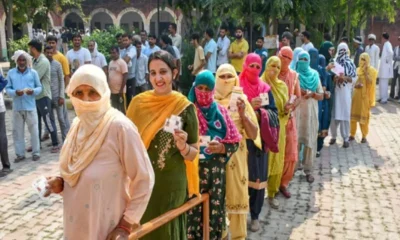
(40, 186)
(236, 94)
(264, 99)
(172, 123)
(292, 99)
(204, 141)
(338, 69)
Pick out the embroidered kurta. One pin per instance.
(115, 184)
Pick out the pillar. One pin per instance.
(3, 42)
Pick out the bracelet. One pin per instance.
(180, 150)
(187, 152)
(126, 229)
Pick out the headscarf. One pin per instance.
(309, 78)
(322, 69)
(149, 111)
(344, 60)
(285, 52)
(89, 129)
(214, 120)
(295, 57)
(278, 87)
(28, 57)
(249, 78)
(95, 51)
(314, 58)
(324, 50)
(372, 74)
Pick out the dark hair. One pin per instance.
(76, 35)
(36, 44)
(260, 38)
(306, 34)
(287, 35)
(345, 39)
(173, 25)
(223, 28)
(166, 39)
(195, 36)
(125, 35)
(114, 48)
(239, 28)
(48, 48)
(385, 35)
(210, 32)
(152, 36)
(92, 41)
(138, 43)
(164, 56)
(327, 37)
(51, 38)
(143, 31)
(118, 35)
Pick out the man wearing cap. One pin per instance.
(373, 51)
(385, 69)
(396, 69)
(357, 41)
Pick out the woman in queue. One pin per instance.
(105, 170)
(245, 119)
(278, 102)
(220, 140)
(149, 111)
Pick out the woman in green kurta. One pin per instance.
(175, 177)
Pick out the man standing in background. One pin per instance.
(223, 44)
(98, 58)
(210, 51)
(262, 52)
(385, 69)
(199, 58)
(5, 162)
(396, 75)
(305, 39)
(357, 42)
(238, 50)
(142, 72)
(175, 37)
(373, 51)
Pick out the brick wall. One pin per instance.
(377, 26)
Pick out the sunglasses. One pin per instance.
(254, 65)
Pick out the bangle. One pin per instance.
(126, 229)
(187, 152)
(180, 150)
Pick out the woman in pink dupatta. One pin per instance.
(290, 77)
(257, 158)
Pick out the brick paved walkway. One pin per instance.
(354, 195)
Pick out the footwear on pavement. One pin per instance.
(35, 158)
(274, 203)
(19, 159)
(346, 144)
(285, 192)
(45, 137)
(255, 225)
(332, 141)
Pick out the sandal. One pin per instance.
(332, 141)
(285, 192)
(363, 140)
(310, 178)
(351, 138)
(318, 154)
(55, 149)
(273, 203)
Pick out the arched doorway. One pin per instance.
(101, 20)
(74, 21)
(165, 19)
(132, 21)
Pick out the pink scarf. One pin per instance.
(249, 78)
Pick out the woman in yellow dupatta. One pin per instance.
(363, 97)
(280, 102)
(149, 112)
(237, 175)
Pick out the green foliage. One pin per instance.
(105, 40)
(20, 44)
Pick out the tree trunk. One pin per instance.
(348, 23)
(9, 15)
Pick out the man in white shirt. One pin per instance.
(152, 46)
(79, 55)
(385, 69)
(396, 68)
(175, 37)
(98, 58)
(223, 44)
(305, 39)
(129, 56)
(210, 51)
(143, 38)
(142, 72)
(373, 51)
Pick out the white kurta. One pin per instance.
(386, 66)
(342, 105)
(373, 52)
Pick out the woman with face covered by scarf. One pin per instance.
(215, 124)
(295, 58)
(343, 93)
(290, 77)
(245, 119)
(279, 102)
(268, 123)
(307, 115)
(324, 111)
(105, 170)
(173, 155)
(363, 97)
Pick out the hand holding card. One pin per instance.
(40, 186)
(264, 99)
(172, 123)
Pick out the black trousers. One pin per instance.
(44, 111)
(4, 142)
(396, 77)
(130, 90)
